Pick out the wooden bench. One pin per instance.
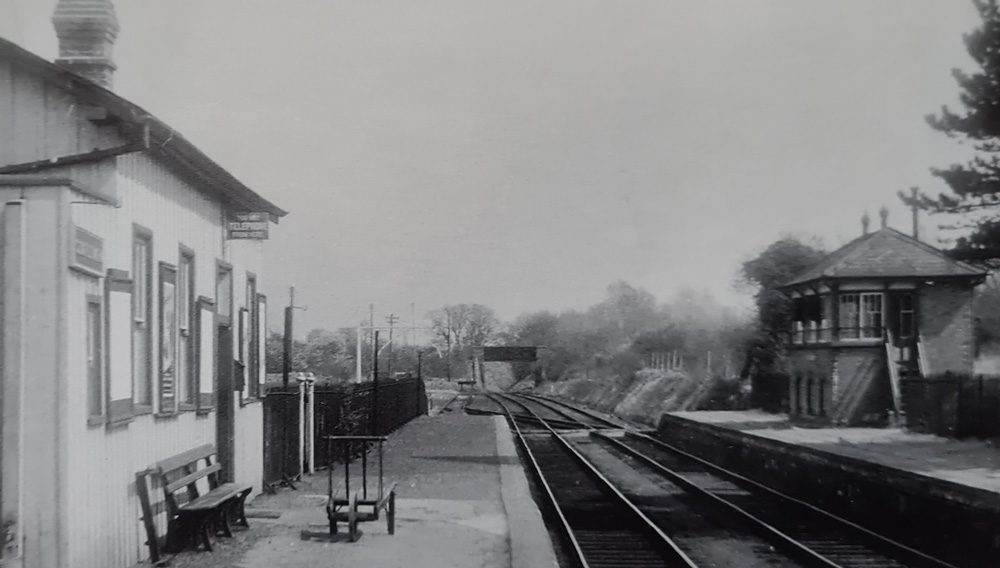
(193, 513)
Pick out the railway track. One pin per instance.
(623, 498)
(602, 528)
(584, 417)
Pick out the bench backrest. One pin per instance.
(159, 490)
(180, 475)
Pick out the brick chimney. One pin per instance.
(87, 30)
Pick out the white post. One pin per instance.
(302, 422)
(13, 241)
(310, 413)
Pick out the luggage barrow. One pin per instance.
(349, 508)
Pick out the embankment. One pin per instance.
(642, 397)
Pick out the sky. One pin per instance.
(526, 154)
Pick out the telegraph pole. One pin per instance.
(374, 411)
(357, 355)
(392, 319)
(413, 323)
(288, 343)
(448, 340)
(287, 367)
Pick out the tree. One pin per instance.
(986, 307)
(463, 329)
(976, 184)
(776, 265)
(274, 352)
(625, 312)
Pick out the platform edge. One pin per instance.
(530, 545)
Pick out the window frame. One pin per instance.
(205, 403)
(857, 328)
(166, 355)
(911, 311)
(261, 324)
(252, 343)
(224, 318)
(142, 306)
(95, 345)
(186, 334)
(242, 335)
(119, 412)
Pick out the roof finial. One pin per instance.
(883, 213)
(865, 219)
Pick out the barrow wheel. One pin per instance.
(352, 519)
(331, 514)
(390, 514)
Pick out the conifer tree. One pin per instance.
(976, 184)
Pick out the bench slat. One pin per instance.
(215, 497)
(189, 479)
(188, 457)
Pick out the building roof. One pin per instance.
(165, 142)
(884, 254)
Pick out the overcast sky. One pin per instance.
(525, 154)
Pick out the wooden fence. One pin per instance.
(337, 410)
(953, 405)
(348, 410)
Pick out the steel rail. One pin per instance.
(777, 538)
(671, 547)
(524, 401)
(533, 417)
(554, 408)
(908, 554)
(582, 410)
(542, 422)
(563, 522)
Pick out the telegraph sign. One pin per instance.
(247, 226)
(87, 253)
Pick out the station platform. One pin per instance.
(889, 480)
(462, 499)
(970, 463)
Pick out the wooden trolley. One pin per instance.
(357, 507)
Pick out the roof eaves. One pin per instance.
(972, 270)
(216, 177)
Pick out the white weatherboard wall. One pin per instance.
(105, 530)
(39, 351)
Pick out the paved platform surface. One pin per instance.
(462, 501)
(973, 463)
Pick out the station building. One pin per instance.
(882, 307)
(132, 326)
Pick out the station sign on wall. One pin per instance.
(247, 226)
(87, 253)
